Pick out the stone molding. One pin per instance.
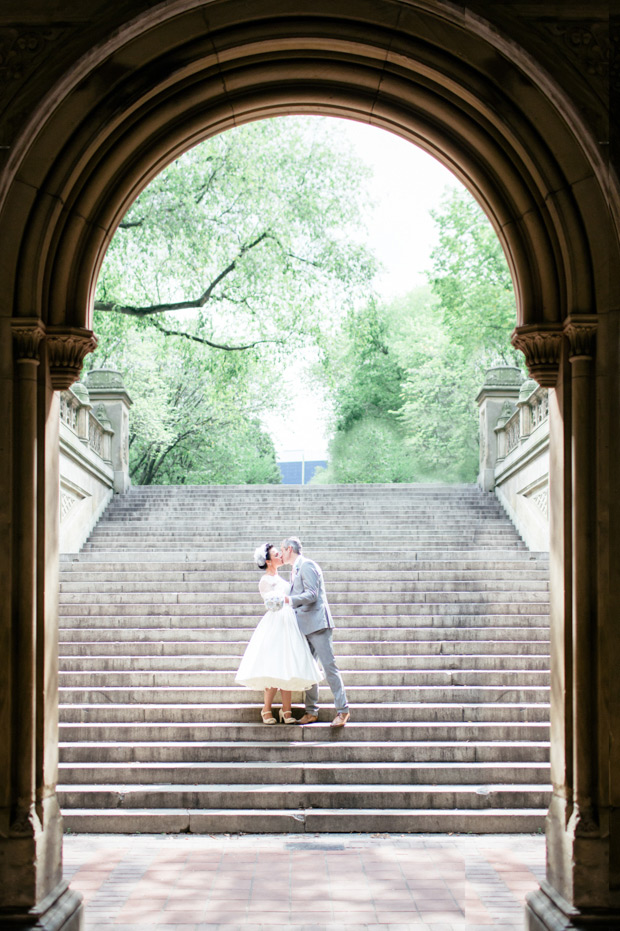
(541, 344)
(28, 332)
(586, 43)
(67, 347)
(581, 332)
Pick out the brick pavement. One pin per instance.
(322, 882)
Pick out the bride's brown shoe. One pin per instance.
(308, 719)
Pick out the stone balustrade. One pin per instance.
(514, 450)
(94, 452)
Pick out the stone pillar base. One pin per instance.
(545, 910)
(61, 910)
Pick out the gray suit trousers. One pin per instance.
(320, 642)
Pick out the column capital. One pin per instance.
(581, 331)
(67, 347)
(28, 332)
(541, 344)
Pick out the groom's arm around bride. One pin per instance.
(309, 602)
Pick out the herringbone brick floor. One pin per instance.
(326, 882)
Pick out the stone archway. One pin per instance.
(472, 93)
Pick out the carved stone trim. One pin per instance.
(22, 51)
(67, 347)
(581, 332)
(27, 335)
(541, 344)
(586, 43)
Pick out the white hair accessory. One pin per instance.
(260, 555)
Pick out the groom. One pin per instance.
(309, 602)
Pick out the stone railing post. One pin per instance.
(83, 411)
(501, 384)
(525, 411)
(106, 386)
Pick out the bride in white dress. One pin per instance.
(278, 655)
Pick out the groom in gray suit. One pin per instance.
(309, 602)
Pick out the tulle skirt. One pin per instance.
(278, 655)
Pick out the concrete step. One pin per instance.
(234, 648)
(238, 558)
(248, 580)
(332, 821)
(366, 638)
(439, 731)
(398, 612)
(247, 712)
(229, 662)
(279, 796)
(380, 694)
(348, 567)
(370, 627)
(249, 589)
(338, 600)
(386, 772)
(356, 678)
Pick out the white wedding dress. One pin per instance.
(278, 655)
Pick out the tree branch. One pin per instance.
(183, 305)
(208, 342)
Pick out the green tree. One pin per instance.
(471, 279)
(363, 373)
(364, 378)
(246, 247)
(252, 236)
(195, 417)
(440, 382)
(405, 376)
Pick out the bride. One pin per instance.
(278, 655)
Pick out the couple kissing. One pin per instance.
(293, 637)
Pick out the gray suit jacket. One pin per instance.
(308, 598)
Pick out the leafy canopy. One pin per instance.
(405, 375)
(254, 235)
(245, 249)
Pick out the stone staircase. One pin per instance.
(442, 638)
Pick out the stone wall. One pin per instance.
(94, 453)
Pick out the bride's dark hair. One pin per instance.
(261, 555)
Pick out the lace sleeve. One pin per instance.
(265, 585)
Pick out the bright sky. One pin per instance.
(407, 185)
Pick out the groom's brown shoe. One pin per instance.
(308, 719)
(341, 719)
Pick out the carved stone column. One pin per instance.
(32, 892)
(577, 892)
(27, 335)
(580, 332)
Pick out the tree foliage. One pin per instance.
(405, 375)
(253, 235)
(246, 248)
(471, 279)
(195, 416)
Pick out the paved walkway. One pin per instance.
(318, 882)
